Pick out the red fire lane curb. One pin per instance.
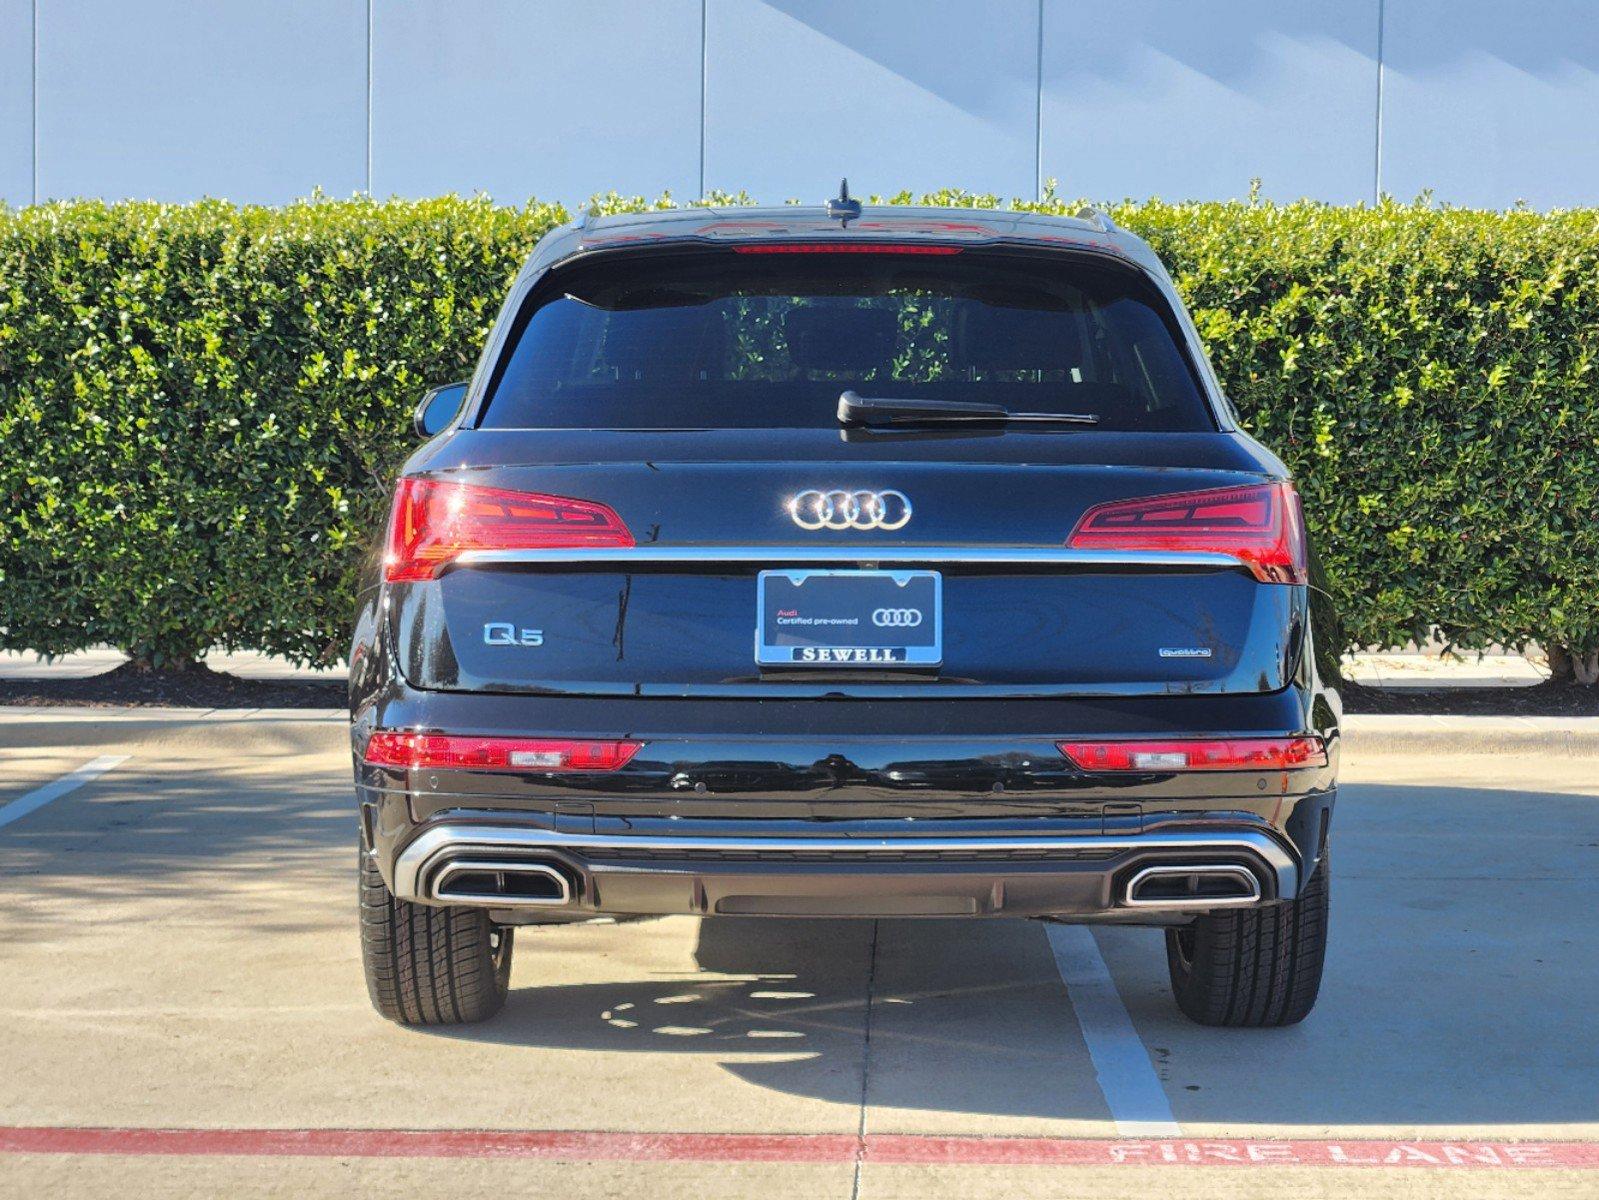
(796, 1148)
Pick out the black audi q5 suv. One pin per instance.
(812, 562)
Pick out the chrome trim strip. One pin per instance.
(865, 552)
(1231, 869)
(439, 883)
(412, 863)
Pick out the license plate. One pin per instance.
(849, 619)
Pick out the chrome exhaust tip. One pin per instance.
(502, 884)
(1183, 885)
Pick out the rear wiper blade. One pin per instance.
(854, 409)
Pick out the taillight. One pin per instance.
(433, 522)
(845, 248)
(1260, 525)
(460, 753)
(1232, 754)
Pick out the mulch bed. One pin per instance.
(201, 687)
(196, 687)
(1539, 700)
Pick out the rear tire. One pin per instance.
(427, 965)
(1253, 967)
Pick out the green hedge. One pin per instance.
(201, 405)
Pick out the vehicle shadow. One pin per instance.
(1461, 954)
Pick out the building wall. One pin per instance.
(1478, 101)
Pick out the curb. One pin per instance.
(1371, 733)
(1363, 733)
(140, 714)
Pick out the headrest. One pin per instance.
(825, 338)
(666, 343)
(992, 338)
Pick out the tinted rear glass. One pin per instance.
(726, 340)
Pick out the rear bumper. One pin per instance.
(1079, 876)
(952, 808)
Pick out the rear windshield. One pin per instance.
(729, 340)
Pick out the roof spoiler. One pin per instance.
(1097, 219)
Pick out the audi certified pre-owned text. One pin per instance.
(655, 628)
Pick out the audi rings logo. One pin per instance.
(850, 510)
(897, 618)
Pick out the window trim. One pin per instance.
(530, 289)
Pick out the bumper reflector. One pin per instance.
(459, 753)
(1232, 754)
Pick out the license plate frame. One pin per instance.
(787, 636)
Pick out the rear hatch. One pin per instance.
(676, 420)
(684, 621)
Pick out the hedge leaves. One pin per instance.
(201, 405)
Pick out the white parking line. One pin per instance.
(54, 790)
(1137, 1102)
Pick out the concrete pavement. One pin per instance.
(177, 944)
